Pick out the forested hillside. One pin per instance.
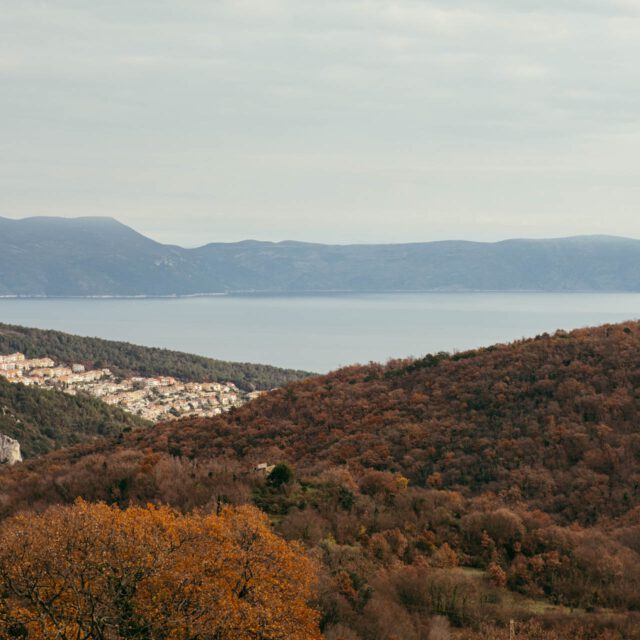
(553, 421)
(42, 420)
(481, 486)
(124, 358)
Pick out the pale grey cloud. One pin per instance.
(341, 120)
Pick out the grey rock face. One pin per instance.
(9, 450)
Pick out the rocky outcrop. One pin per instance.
(9, 450)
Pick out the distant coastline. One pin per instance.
(100, 258)
(319, 293)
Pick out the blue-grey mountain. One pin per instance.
(102, 257)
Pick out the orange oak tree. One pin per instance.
(91, 571)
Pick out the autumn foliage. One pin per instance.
(90, 571)
(474, 487)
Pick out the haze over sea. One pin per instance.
(323, 332)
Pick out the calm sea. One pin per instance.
(323, 332)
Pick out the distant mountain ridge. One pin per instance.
(102, 257)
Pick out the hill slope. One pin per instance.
(124, 358)
(100, 256)
(519, 462)
(84, 256)
(42, 420)
(552, 421)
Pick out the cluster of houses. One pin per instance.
(157, 399)
(16, 367)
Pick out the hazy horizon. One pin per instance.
(342, 121)
(337, 243)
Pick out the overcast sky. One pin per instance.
(337, 121)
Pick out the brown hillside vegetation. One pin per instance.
(497, 483)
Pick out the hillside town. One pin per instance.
(157, 399)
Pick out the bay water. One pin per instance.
(322, 332)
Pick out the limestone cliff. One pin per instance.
(9, 450)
